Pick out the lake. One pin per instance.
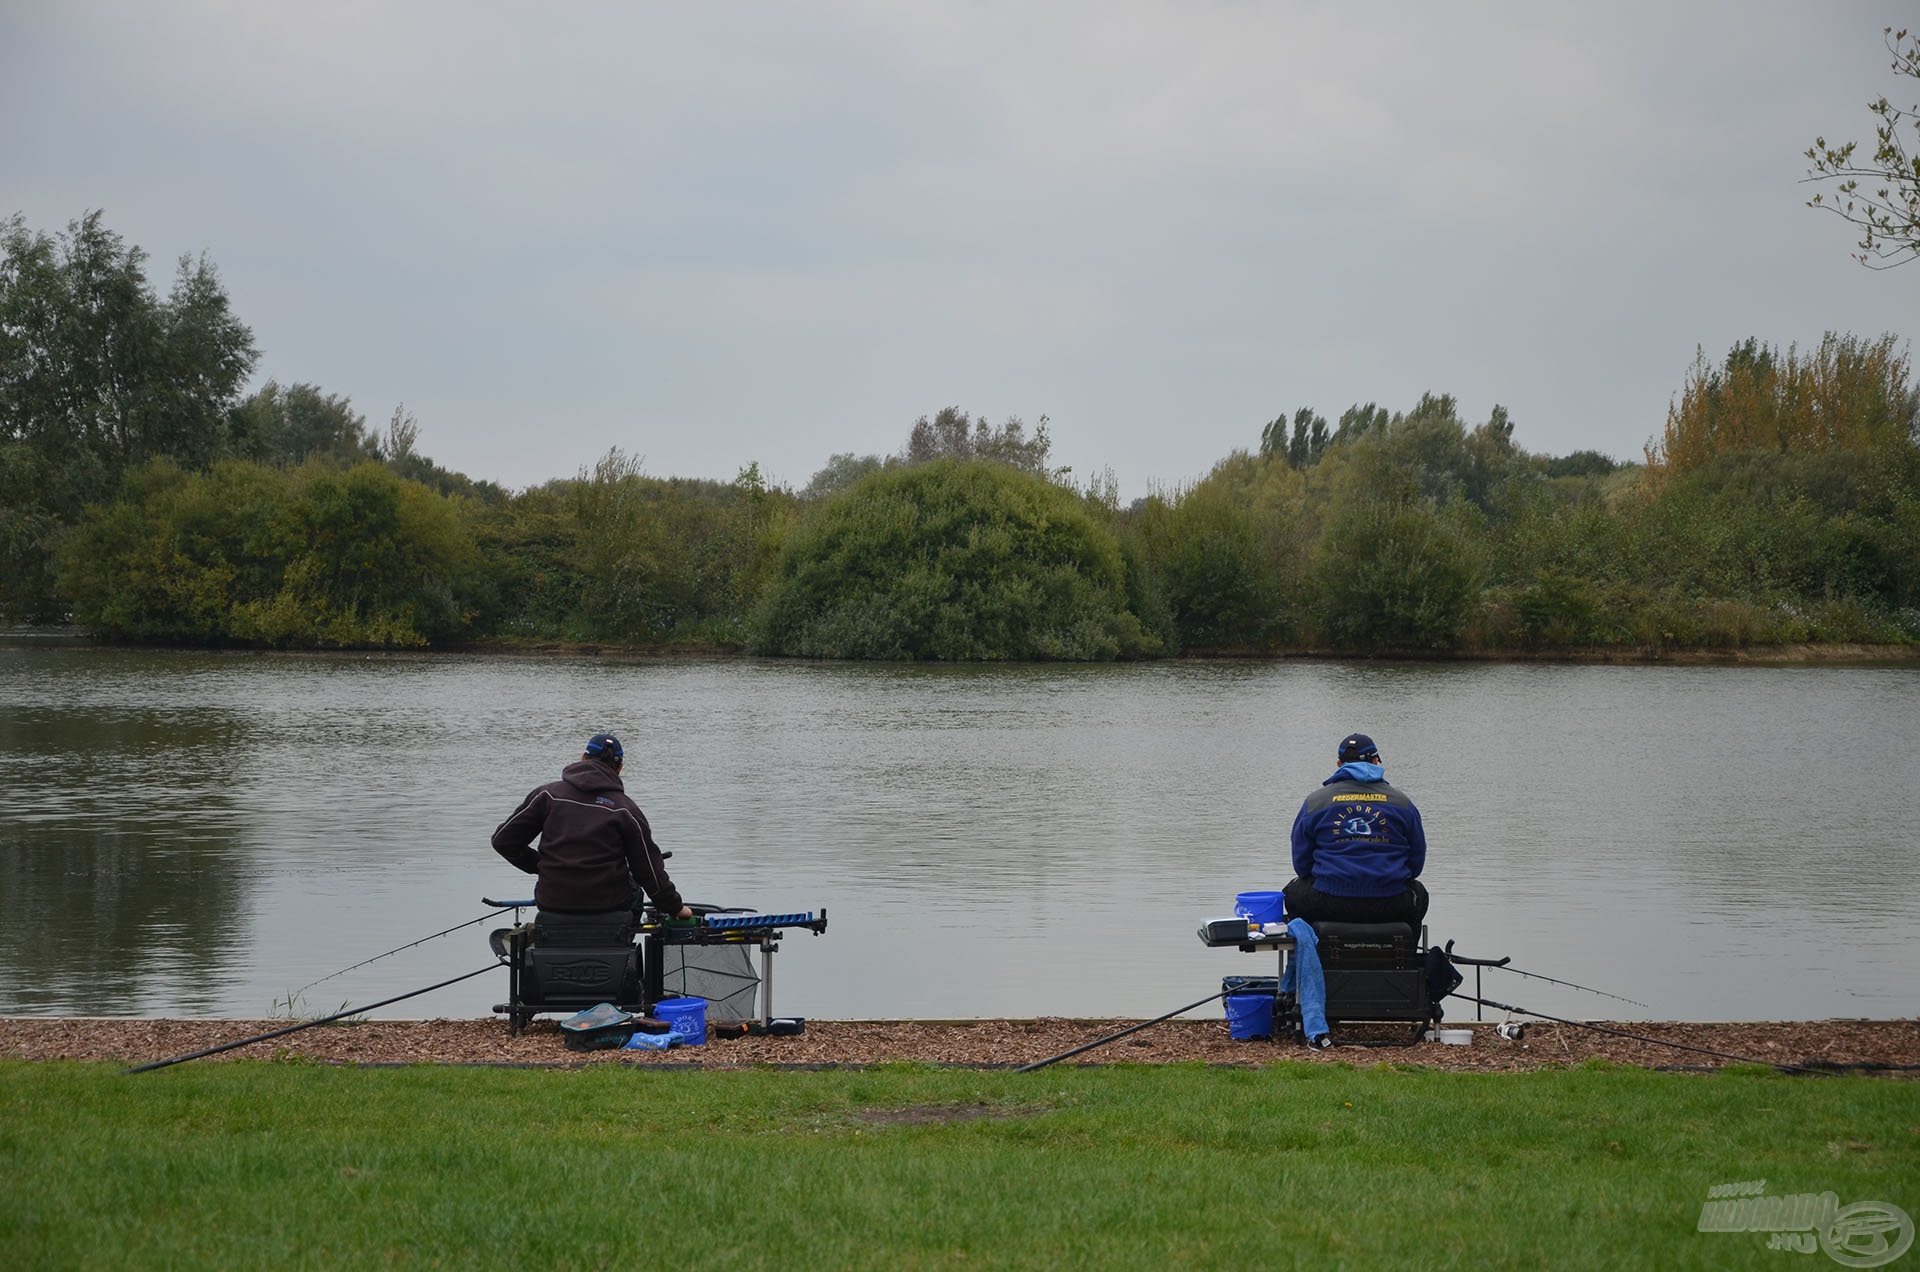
(194, 833)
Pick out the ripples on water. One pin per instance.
(191, 833)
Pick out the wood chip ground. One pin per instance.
(1881, 1046)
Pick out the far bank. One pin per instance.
(1800, 654)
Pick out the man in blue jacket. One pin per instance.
(1358, 846)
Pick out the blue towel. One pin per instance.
(1304, 977)
(652, 1042)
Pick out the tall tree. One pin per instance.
(1304, 448)
(1886, 210)
(92, 360)
(1850, 394)
(98, 374)
(299, 422)
(952, 434)
(842, 470)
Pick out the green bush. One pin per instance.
(312, 556)
(1397, 577)
(950, 560)
(654, 556)
(1147, 592)
(369, 559)
(529, 549)
(161, 563)
(1219, 576)
(620, 556)
(1557, 610)
(36, 492)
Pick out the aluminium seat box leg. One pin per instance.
(653, 972)
(767, 947)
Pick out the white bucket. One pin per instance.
(1457, 1037)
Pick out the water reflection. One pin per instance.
(121, 871)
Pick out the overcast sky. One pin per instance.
(721, 232)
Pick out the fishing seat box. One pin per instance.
(1374, 972)
(563, 977)
(558, 976)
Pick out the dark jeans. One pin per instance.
(583, 931)
(1304, 901)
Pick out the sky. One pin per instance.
(721, 233)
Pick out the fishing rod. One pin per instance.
(1570, 985)
(305, 1024)
(1504, 964)
(1622, 1033)
(1101, 1042)
(377, 957)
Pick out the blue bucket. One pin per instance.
(1250, 1016)
(1261, 907)
(688, 1016)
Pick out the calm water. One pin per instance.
(199, 834)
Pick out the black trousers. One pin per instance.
(1304, 901)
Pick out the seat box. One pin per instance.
(1367, 944)
(1376, 993)
(564, 976)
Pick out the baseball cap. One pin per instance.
(1358, 746)
(604, 746)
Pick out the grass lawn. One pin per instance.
(271, 1165)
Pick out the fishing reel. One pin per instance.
(1511, 1030)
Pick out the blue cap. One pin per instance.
(604, 746)
(1358, 746)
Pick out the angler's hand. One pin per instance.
(686, 912)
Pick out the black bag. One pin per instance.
(1442, 979)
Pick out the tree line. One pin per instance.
(147, 497)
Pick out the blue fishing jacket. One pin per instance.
(1357, 836)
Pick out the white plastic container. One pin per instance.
(1457, 1037)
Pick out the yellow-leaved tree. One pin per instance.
(1850, 394)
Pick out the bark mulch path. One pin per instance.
(1881, 1046)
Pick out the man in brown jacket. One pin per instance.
(595, 849)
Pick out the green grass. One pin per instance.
(244, 1165)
